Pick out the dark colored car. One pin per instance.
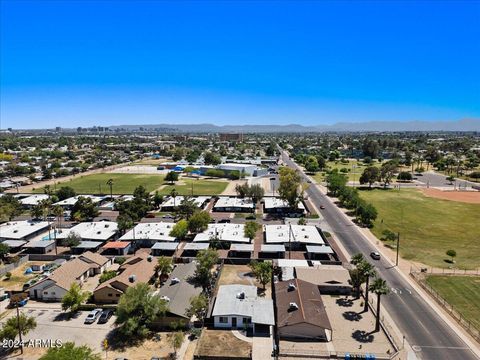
(375, 255)
(224, 221)
(322, 207)
(105, 316)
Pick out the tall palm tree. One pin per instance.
(356, 280)
(357, 259)
(174, 194)
(379, 287)
(110, 184)
(164, 266)
(368, 271)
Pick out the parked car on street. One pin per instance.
(105, 316)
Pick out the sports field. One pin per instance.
(122, 183)
(462, 292)
(199, 187)
(428, 227)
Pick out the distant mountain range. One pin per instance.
(372, 126)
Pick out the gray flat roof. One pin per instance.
(39, 244)
(196, 246)
(165, 246)
(14, 243)
(89, 244)
(322, 249)
(241, 247)
(273, 248)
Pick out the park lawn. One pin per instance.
(122, 183)
(428, 227)
(353, 173)
(462, 292)
(200, 187)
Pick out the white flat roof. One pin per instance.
(307, 234)
(150, 231)
(198, 201)
(292, 263)
(101, 230)
(18, 230)
(319, 249)
(233, 202)
(241, 247)
(89, 244)
(196, 246)
(73, 200)
(277, 203)
(39, 244)
(14, 243)
(165, 246)
(33, 200)
(224, 232)
(272, 248)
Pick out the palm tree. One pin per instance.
(174, 194)
(357, 259)
(379, 287)
(164, 266)
(367, 270)
(110, 184)
(356, 280)
(58, 212)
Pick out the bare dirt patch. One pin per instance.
(471, 197)
(222, 343)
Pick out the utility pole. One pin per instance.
(19, 328)
(289, 241)
(398, 247)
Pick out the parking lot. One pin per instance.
(54, 324)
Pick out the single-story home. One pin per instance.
(330, 279)
(300, 312)
(237, 306)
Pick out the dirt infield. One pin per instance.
(471, 197)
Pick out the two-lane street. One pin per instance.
(424, 329)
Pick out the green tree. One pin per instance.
(311, 164)
(4, 250)
(262, 271)
(198, 222)
(289, 188)
(137, 309)
(206, 259)
(379, 287)
(73, 298)
(107, 275)
(452, 254)
(368, 271)
(84, 209)
(110, 185)
(404, 176)
(57, 210)
(357, 259)
(335, 182)
(250, 230)
(157, 200)
(10, 207)
(124, 223)
(370, 175)
(164, 267)
(176, 340)
(387, 171)
(187, 207)
(172, 176)
(180, 229)
(65, 192)
(356, 280)
(10, 328)
(198, 307)
(211, 158)
(37, 211)
(366, 213)
(72, 240)
(68, 351)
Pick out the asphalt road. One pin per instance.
(428, 334)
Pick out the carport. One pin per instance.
(241, 250)
(272, 251)
(191, 249)
(164, 248)
(319, 252)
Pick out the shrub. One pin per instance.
(120, 260)
(8, 275)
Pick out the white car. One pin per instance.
(92, 316)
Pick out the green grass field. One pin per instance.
(428, 227)
(200, 187)
(355, 169)
(122, 183)
(462, 292)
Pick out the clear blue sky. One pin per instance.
(82, 63)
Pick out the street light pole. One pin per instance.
(398, 247)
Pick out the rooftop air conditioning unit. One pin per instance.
(291, 287)
(174, 281)
(166, 298)
(132, 278)
(149, 258)
(241, 295)
(293, 306)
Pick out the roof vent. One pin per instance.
(291, 287)
(132, 278)
(149, 258)
(99, 232)
(292, 306)
(174, 281)
(166, 298)
(241, 295)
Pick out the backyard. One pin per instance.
(428, 227)
(462, 292)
